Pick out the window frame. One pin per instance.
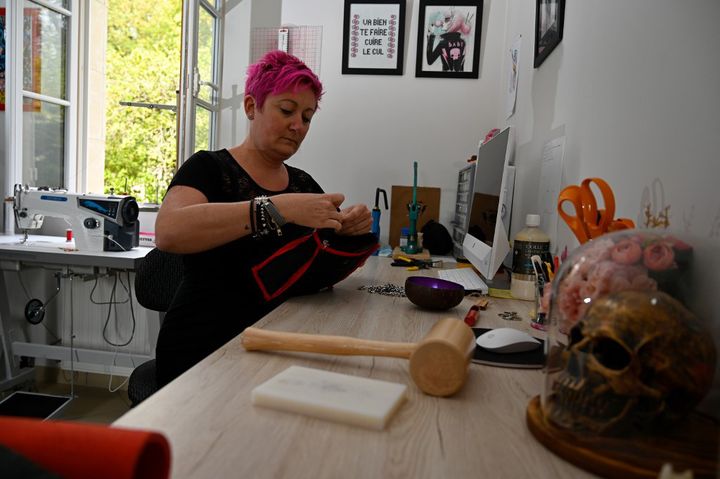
(76, 164)
(15, 95)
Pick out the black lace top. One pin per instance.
(218, 298)
(221, 179)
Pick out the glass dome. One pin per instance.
(631, 320)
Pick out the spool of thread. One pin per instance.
(68, 235)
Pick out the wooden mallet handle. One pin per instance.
(256, 339)
(438, 363)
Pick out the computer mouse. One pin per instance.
(507, 340)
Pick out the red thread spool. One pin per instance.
(68, 235)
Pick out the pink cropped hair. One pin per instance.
(277, 72)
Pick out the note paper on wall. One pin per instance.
(550, 183)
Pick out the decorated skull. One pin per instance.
(636, 359)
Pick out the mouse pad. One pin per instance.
(534, 359)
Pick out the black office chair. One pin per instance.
(156, 281)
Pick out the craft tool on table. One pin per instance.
(543, 273)
(414, 210)
(472, 315)
(438, 363)
(375, 229)
(354, 400)
(587, 221)
(413, 264)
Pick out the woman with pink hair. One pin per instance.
(227, 210)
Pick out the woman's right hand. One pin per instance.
(314, 210)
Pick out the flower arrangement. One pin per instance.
(628, 260)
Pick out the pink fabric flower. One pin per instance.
(588, 281)
(643, 282)
(604, 267)
(598, 249)
(658, 256)
(626, 251)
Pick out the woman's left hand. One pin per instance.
(356, 220)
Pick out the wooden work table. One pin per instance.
(215, 431)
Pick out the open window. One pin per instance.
(54, 80)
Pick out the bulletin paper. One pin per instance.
(513, 74)
(550, 183)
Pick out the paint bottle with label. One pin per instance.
(404, 233)
(530, 241)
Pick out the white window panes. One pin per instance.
(44, 51)
(43, 145)
(59, 3)
(202, 128)
(206, 48)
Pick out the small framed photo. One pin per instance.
(373, 37)
(449, 38)
(549, 19)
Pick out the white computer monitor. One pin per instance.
(487, 243)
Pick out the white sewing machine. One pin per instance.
(98, 222)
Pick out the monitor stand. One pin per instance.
(501, 281)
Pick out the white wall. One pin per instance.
(370, 128)
(634, 88)
(240, 17)
(235, 60)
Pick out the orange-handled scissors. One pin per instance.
(588, 221)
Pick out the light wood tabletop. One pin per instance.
(215, 431)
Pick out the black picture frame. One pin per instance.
(449, 38)
(373, 37)
(549, 20)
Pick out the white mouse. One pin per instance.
(507, 340)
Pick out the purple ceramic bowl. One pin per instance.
(433, 293)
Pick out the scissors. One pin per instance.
(588, 221)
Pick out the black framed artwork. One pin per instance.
(373, 37)
(449, 38)
(549, 19)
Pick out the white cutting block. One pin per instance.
(338, 397)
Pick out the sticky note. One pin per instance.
(337, 397)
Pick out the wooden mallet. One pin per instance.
(438, 363)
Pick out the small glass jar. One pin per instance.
(404, 233)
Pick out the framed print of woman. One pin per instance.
(448, 39)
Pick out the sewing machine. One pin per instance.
(98, 222)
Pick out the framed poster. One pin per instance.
(449, 38)
(549, 19)
(373, 37)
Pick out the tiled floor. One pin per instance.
(90, 404)
(93, 400)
